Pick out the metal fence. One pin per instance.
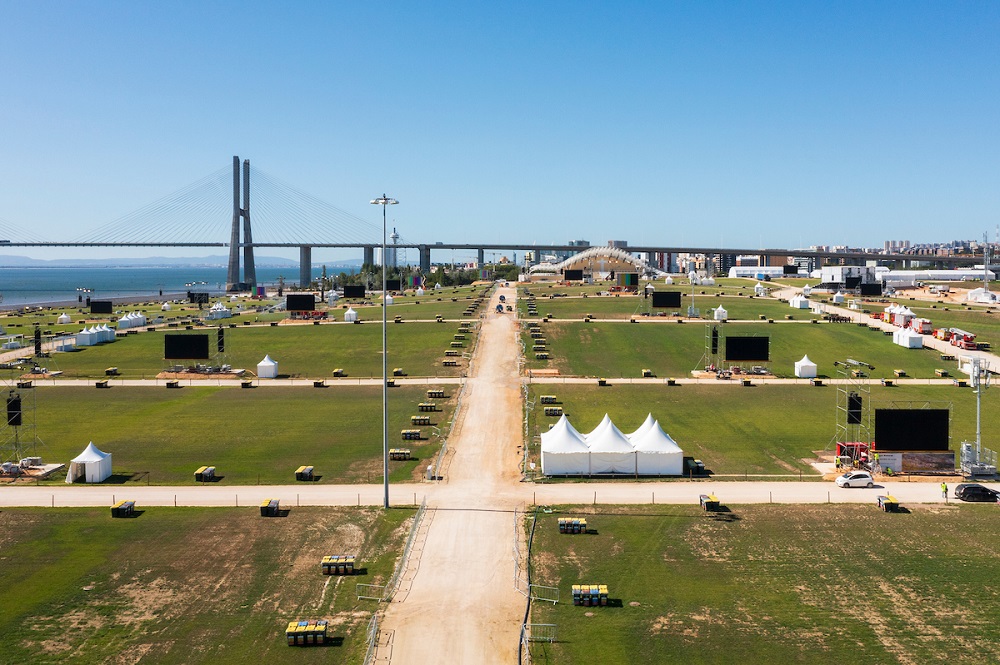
(383, 592)
(372, 637)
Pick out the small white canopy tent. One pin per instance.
(799, 302)
(610, 451)
(805, 368)
(332, 297)
(564, 452)
(388, 300)
(350, 315)
(806, 290)
(908, 338)
(656, 454)
(708, 281)
(64, 319)
(92, 466)
(720, 314)
(668, 280)
(165, 307)
(420, 290)
(838, 298)
(759, 290)
(267, 368)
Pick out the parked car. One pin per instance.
(856, 479)
(975, 492)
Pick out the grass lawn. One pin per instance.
(187, 585)
(759, 430)
(773, 584)
(249, 435)
(301, 350)
(671, 349)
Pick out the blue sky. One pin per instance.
(741, 124)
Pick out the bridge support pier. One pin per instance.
(369, 256)
(305, 266)
(480, 257)
(425, 259)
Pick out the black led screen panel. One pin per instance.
(871, 289)
(393, 285)
(789, 270)
(101, 307)
(911, 429)
(573, 275)
(185, 347)
(300, 302)
(854, 408)
(852, 282)
(748, 349)
(354, 291)
(667, 299)
(198, 298)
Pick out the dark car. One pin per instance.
(975, 492)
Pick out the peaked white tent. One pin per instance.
(420, 291)
(610, 451)
(92, 465)
(564, 452)
(838, 298)
(64, 319)
(759, 289)
(799, 302)
(643, 428)
(350, 315)
(267, 368)
(806, 290)
(668, 280)
(656, 454)
(805, 368)
(908, 338)
(720, 314)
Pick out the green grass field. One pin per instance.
(759, 430)
(250, 436)
(301, 350)
(671, 349)
(773, 584)
(187, 585)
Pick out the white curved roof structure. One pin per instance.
(605, 259)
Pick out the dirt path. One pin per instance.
(461, 606)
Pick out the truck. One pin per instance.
(963, 340)
(922, 326)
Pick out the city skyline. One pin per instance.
(753, 125)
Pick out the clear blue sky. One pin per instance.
(749, 124)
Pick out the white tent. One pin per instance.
(981, 295)
(805, 368)
(759, 290)
(564, 452)
(388, 300)
(643, 428)
(908, 338)
(92, 465)
(85, 337)
(806, 290)
(420, 290)
(720, 314)
(267, 368)
(165, 307)
(64, 319)
(668, 280)
(693, 277)
(838, 298)
(708, 281)
(610, 450)
(799, 302)
(350, 315)
(656, 454)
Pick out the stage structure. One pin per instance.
(854, 413)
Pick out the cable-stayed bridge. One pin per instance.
(216, 211)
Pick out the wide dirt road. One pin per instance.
(461, 605)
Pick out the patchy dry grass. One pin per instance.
(809, 584)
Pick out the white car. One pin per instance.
(856, 479)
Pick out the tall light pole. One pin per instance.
(384, 201)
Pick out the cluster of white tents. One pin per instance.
(132, 320)
(95, 335)
(898, 315)
(799, 302)
(648, 451)
(908, 338)
(218, 311)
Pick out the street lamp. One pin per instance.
(384, 201)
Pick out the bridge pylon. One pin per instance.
(241, 213)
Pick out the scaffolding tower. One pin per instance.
(18, 437)
(854, 412)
